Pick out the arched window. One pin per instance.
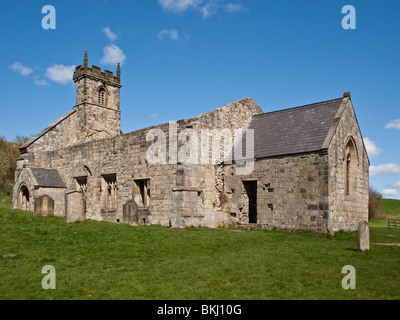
(350, 167)
(102, 96)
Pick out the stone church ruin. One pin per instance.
(309, 167)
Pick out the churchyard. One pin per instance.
(101, 260)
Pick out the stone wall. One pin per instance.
(95, 122)
(26, 178)
(292, 193)
(88, 88)
(347, 211)
(180, 194)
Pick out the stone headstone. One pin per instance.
(363, 236)
(44, 206)
(130, 213)
(74, 207)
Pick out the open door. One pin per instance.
(251, 190)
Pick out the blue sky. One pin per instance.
(181, 58)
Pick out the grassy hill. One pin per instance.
(391, 207)
(100, 260)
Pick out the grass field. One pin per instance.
(99, 260)
(391, 207)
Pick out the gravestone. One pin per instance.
(44, 206)
(74, 207)
(363, 236)
(130, 213)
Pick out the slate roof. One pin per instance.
(47, 178)
(292, 131)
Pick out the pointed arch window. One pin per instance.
(102, 96)
(350, 167)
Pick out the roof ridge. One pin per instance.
(303, 106)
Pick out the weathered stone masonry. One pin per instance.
(310, 169)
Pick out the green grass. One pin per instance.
(100, 260)
(391, 207)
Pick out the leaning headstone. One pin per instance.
(363, 236)
(44, 206)
(74, 207)
(130, 213)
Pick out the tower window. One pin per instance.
(102, 96)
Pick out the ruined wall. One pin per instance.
(292, 193)
(57, 137)
(181, 194)
(347, 210)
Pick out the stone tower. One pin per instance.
(97, 103)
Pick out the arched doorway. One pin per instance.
(24, 198)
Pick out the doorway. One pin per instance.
(24, 198)
(251, 191)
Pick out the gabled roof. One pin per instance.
(292, 131)
(47, 178)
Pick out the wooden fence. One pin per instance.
(393, 223)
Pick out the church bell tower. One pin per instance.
(97, 102)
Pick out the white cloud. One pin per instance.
(209, 9)
(109, 34)
(395, 185)
(206, 7)
(153, 115)
(170, 33)
(21, 69)
(112, 55)
(233, 7)
(393, 124)
(390, 168)
(178, 5)
(60, 73)
(371, 147)
(41, 82)
(391, 192)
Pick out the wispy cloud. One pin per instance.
(153, 115)
(389, 168)
(41, 82)
(372, 148)
(109, 34)
(396, 185)
(21, 69)
(59, 73)
(391, 192)
(233, 7)
(170, 33)
(179, 5)
(210, 8)
(393, 124)
(113, 54)
(206, 7)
